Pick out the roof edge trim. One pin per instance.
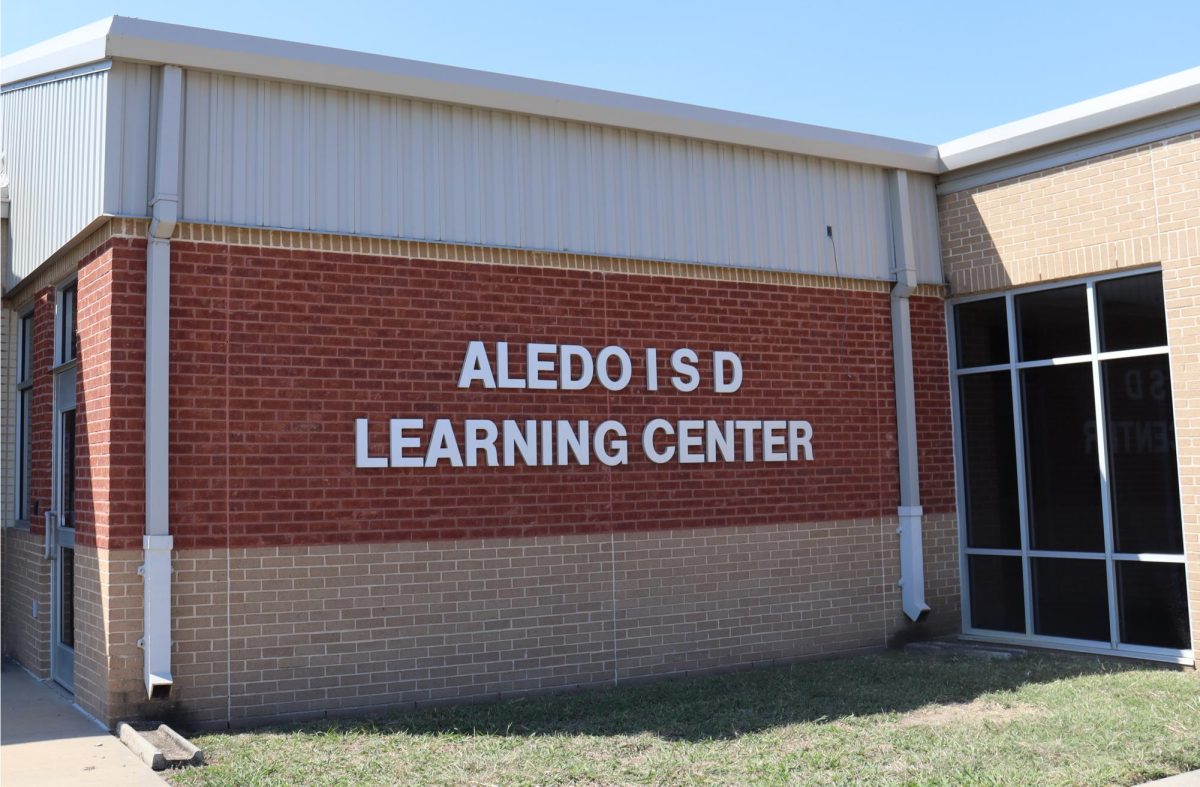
(1131, 104)
(79, 47)
(197, 48)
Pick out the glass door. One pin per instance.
(60, 520)
(1069, 504)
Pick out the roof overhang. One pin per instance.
(1086, 117)
(138, 40)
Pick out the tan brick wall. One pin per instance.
(26, 584)
(1134, 207)
(943, 591)
(1139, 206)
(306, 629)
(1181, 280)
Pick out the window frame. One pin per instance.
(23, 415)
(64, 342)
(1095, 358)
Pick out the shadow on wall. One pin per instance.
(971, 259)
(725, 707)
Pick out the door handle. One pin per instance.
(49, 539)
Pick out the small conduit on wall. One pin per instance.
(157, 542)
(904, 266)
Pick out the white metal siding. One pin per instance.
(272, 154)
(131, 95)
(53, 137)
(923, 209)
(290, 156)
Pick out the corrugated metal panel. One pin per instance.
(53, 137)
(272, 154)
(132, 92)
(923, 208)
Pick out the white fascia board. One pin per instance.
(1086, 117)
(210, 50)
(84, 45)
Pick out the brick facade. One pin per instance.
(491, 580)
(26, 600)
(271, 632)
(1136, 207)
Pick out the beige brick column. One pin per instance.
(1181, 282)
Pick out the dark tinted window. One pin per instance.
(1141, 449)
(68, 335)
(1062, 461)
(997, 593)
(989, 461)
(1070, 598)
(1131, 312)
(1153, 604)
(1053, 323)
(981, 333)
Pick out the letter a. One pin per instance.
(476, 367)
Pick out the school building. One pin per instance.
(336, 382)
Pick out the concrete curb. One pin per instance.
(151, 754)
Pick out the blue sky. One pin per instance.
(926, 71)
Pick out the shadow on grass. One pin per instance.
(727, 706)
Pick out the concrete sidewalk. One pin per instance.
(45, 740)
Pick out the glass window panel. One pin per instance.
(68, 468)
(981, 333)
(1062, 461)
(1153, 604)
(1053, 323)
(66, 598)
(25, 351)
(1141, 449)
(23, 463)
(997, 593)
(1070, 598)
(68, 336)
(1131, 312)
(989, 461)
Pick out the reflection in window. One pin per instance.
(1143, 473)
(1070, 598)
(982, 331)
(1062, 465)
(990, 461)
(1055, 523)
(997, 593)
(1053, 323)
(1131, 312)
(68, 330)
(1153, 604)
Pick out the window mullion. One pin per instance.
(1102, 457)
(1019, 438)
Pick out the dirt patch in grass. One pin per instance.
(963, 712)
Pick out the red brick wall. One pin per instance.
(276, 352)
(110, 414)
(41, 426)
(935, 438)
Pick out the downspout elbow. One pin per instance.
(164, 215)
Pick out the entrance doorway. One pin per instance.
(60, 520)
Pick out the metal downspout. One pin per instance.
(912, 558)
(157, 542)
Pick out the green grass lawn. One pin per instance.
(885, 719)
